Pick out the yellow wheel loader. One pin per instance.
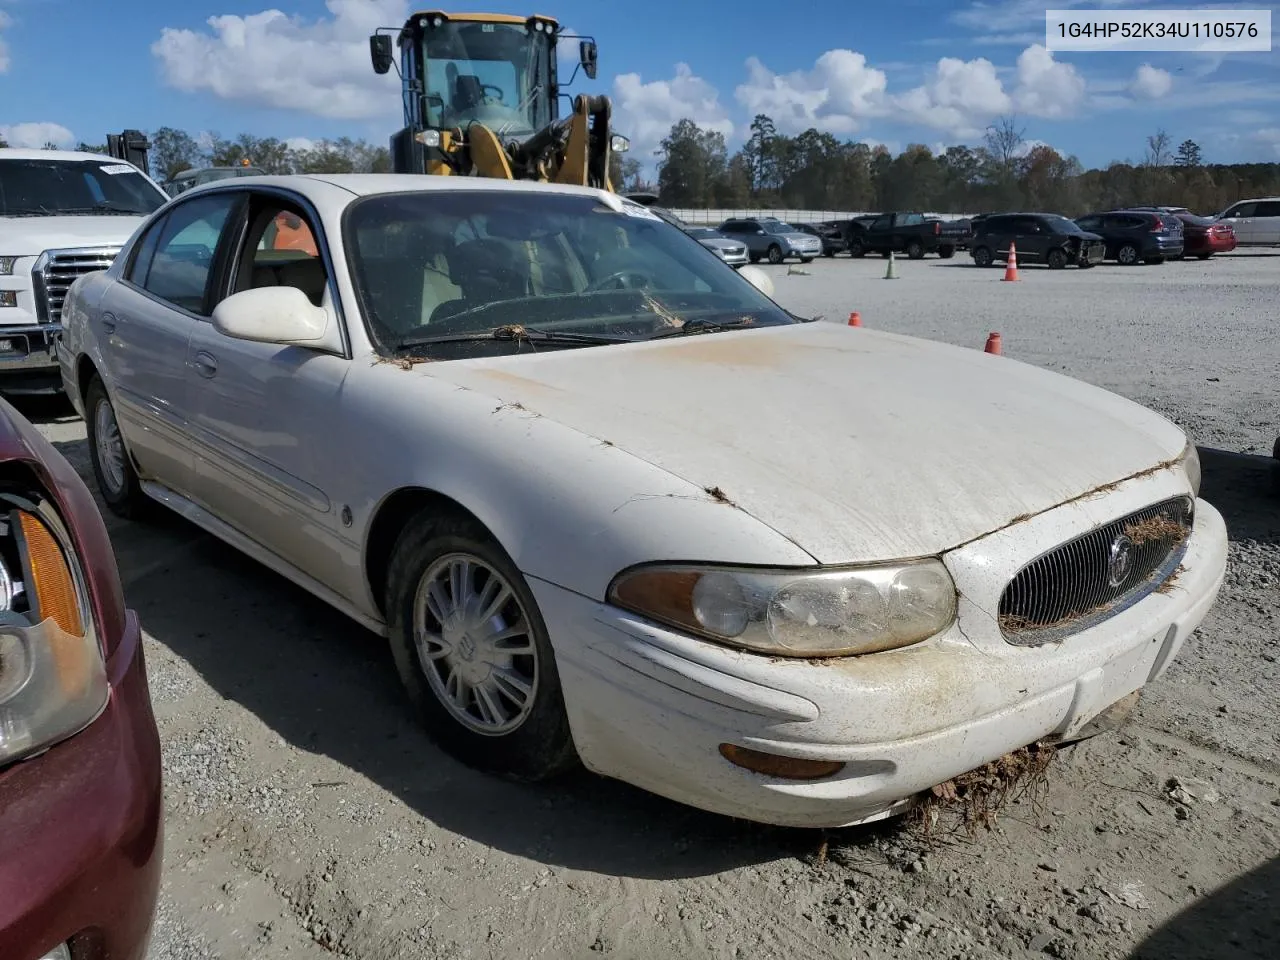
(482, 96)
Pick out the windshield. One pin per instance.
(454, 263)
(497, 74)
(777, 226)
(1062, 225)
(49, 187)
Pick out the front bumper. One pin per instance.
(651, 706)
(29, 348)
(81, 830)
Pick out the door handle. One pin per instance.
(206, 364)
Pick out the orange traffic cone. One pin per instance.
(1011, 265)
(855, 319)
(993, 342)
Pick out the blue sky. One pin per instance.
(912, 71)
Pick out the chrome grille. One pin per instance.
(1095, 576)
(56, 270)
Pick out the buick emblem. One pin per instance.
(1120, 563)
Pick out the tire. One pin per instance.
(982, 257)
(775, 254)
(753, 257)
(828, 253)
(915, 250)
(112, 466)
(1086, 265)
(1203, 256)
(856, 249)
(806, 259)
(1128, 255)
(946, 253)
(535, 743)
(1056, 259)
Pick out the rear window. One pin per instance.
(1191, 220)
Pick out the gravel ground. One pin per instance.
(308, 817)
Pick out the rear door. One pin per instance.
(1241, 218)
(996, 232)
(1266, 223)
(1031, 237)
(147, 320)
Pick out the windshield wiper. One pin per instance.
(515, 332)
(702, 325)
(105, 209)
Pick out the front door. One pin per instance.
(263, 415)
(1241, 218)
(146, 325)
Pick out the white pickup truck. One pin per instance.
(62, 214)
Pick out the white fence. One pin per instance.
(714, 217)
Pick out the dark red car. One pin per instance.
(1203, 237)
(81, 812)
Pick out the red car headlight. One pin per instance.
(53, 678)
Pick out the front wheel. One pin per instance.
(775, 254)
(1056, 259)
(856, 249)
(982, 256)
(1203, 256)
(473, 652)
(112, 466)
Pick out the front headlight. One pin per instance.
(53, 678)
(6, 266)
(792, 613)
(1191, 466)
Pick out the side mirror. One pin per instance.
(759, 233)
(280, 315)
(758, 279)
(380, 52)
(589, 56)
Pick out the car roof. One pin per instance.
(22, 153)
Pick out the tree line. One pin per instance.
(1005, 172)
(816, 171)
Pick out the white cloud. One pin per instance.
(5, 21)
(1046, 87)
(645, 112)
(1150, 83)
(1026, 146)
(961, 97)
(36, 135)
(300, 143)
(272, 59)
(838, 95)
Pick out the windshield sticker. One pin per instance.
(117, 169)
(635, 210)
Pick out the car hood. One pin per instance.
(854, 444)
(720, 243)
(30, 236)
(797, 235)
(1087, 235)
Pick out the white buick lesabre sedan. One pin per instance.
(612, 505)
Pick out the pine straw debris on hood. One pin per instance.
(976, 798)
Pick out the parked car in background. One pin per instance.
(771, 239)
(184, 181)
(1205, 236)
(1161, 209)
(806, 654)
(62, 214)
(957, 232)
(731, 251)
(908, 233)
(1136, 236)
(1038, 237)
(831, 236)
(1256, 222)
(81, 805)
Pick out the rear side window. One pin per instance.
(1268, 208)
(911, 219)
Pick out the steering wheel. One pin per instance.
(620, 280)
(496, 96)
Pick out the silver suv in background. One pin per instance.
(1256, 222)
(772, 239)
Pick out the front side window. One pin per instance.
(181, 259)
(46, 187)
(497, 74)
(1241, 210)
(446, 264)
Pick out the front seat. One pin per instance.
(485, 271)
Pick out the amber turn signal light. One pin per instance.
(773, 765)
(55, 589)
